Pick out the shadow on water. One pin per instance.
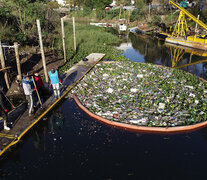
(70, 145)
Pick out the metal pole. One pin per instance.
(17, 60)
(63, 38)
(42, 50)
(196, 26)
(3, 66)
(74, 37)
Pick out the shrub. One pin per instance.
(86, 11)
(90, 39)
(156, 20)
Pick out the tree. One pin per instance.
(20, 18)
(140, 4)
(98, 4)
(123, 2)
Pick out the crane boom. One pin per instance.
(189, 14)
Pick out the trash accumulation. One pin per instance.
(144, 94)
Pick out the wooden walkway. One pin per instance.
(22, 123)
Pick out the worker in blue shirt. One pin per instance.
(54, 80)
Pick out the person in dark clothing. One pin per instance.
(40, 85)
(3, 109)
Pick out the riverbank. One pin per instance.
(89, 39)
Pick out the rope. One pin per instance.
(43, 114)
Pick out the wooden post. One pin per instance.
(3, 66)
(42, 50)
(120, 11)
(129, 13)
(63, 38)
(74, 37)
(17, 60)
(124, 14)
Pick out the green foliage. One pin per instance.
(204, 15)
(110, 14)
(128, 2)
(156, 20)
(53, 4)
(90, 39)
(170, 17)
(19, 17)
(139, 13)
(86, 11)
(140, 4)
(134, 15)
(98, 4)
(100, 14)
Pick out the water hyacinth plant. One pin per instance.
(144, 94)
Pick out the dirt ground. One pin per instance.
(31, 61)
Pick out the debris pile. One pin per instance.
(144, 94)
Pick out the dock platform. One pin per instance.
(22, 123)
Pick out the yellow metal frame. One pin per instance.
(15, 141)
(176, 55)
(188, 14)
(189, 64)
(181, 27)
(179, 35)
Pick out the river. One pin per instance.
(70, 145)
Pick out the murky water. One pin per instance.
(146, 49)
(71, 145)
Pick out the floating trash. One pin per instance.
(139, 121)
(134, 90)
(161, 106)
(140, 75)
(144, 94)
(109, 90)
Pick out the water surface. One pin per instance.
(71, 145)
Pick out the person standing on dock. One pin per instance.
(54, 80)
(40, 85)
(28, 93)
(3, 109)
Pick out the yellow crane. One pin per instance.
(179, 35)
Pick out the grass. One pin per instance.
(89, 39)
